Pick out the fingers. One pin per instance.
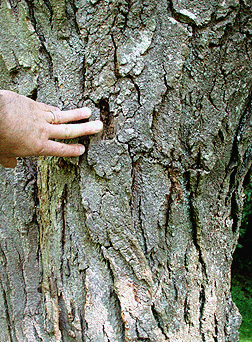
(45, 107)
(57, 149)
(57, 116)
(8, 162)
(70, 131)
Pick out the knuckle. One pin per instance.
(67, 131)
(63, 150)
(41, 141)
(42, 137)
(56, 116)
(43, 131)
(40, 149)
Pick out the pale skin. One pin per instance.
(27, 128)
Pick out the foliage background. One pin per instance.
(242, 267)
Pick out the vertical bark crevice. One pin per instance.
(196, 224)
(137, 89)
(159, 319)
(6, 305)
(116, 67)
(107, 117)
(65, 321)
(202, 300)
(64, 227)
(186, 311)
(34, 94)
(49, 7)
(216, 328)
(39, 33)
(83, 327)
(236, 163)
(73, 15)
(135, 203)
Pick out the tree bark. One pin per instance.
(134, 240)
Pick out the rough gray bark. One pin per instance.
(133, 241)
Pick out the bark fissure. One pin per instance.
(107, 118)
(202, 300)
(234, 166)
(135, 201)
(159, 322)
(9, 323)
(116, 298)
(216, 329)
(73, 15)
(38, 338)
(49, 7)
(116, 67)
(21, 263)
(83, 327)
(186, 312)
(196, 229)
(179, 16)
(137, 89)
(63, 234)
(41, 37)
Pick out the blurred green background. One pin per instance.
(242, 267)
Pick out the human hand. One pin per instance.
(27, 127)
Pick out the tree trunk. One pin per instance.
(134, 240)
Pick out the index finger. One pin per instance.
(45, 107)
(69, 115)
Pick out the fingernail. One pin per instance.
(98, 125)
(87, 112)
(82, 149)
